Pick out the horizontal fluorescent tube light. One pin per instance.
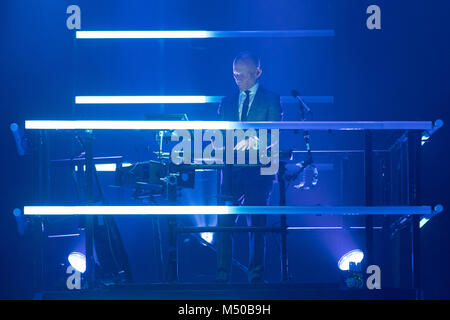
(105, 167)
(125, 125)
(328, 228)
(63, 235)
(142, 34)
(225, 125)
(201, 34)
(146, 210)
(124, 210)
(182, 99)
(140, 99)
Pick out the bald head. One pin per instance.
(248, 57)
(246, 70)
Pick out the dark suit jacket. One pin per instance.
(266, 106)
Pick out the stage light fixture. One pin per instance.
(78, 261)
(208, 237)
(355, 256)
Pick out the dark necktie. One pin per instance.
(245, 106)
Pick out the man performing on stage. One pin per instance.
(249, 187)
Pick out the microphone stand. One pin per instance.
(309, 160)
(282, 185)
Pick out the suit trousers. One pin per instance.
(249, 188)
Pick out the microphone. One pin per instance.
(296, 95)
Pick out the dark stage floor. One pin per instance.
(213, 291)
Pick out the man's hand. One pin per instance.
(247, 144)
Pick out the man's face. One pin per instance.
(245, 74)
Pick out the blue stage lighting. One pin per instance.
(355, 256)
(78, 261)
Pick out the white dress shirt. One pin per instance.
(242, 99)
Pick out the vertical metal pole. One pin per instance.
(386, 200)
(157, 248)
(414, 146)
(283, 224)
(172, 265)
(368, 174)
(341, 176)
(89, 231)
(43, 196)
(415, 259)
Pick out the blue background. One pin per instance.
(400, 72)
